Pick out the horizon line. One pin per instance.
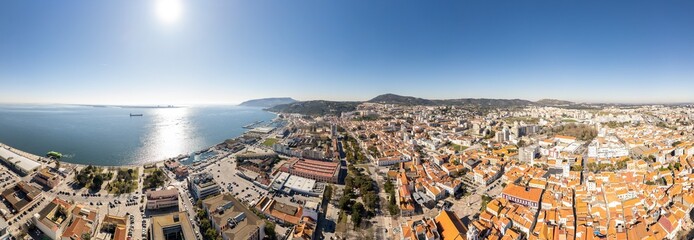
(183, 104)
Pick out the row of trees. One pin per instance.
(373, 150)
(392, 206)
(352, 151)
(206, 228)
(359, 185)
(595, 167)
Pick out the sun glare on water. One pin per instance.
(168, 11)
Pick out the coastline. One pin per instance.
(45, 160)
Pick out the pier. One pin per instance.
(253, 125)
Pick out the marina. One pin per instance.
(253, 125)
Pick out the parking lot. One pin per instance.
(224, 172)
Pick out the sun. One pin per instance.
(168, 11)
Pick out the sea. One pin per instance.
(110, 136)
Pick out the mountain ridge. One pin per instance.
(552, 102)
(320, 107)
(267, 102)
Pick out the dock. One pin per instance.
(253, 125)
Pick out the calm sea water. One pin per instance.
(109, 136)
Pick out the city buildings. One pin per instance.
(526, 196)
(202, 185)
(18, 163)
(306, 230)
(54, 218)
(450, 226)
(171, 226)
(159, 199)
(4, 233)
(445, 226)
(62, 220)
(116, 226)
(232, 219)
(47, 178)
(21, 196)
(313, 169)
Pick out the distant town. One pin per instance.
(393, 167)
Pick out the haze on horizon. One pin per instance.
(202, 52)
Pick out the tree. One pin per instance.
(155, 179)
(205, 223)
(357, 207)
(201, 214)
(371, 199)
(97, 181)
(392, 206)
(328, 194)
(357, 210)
(82, 178)
(86, 236)
(211, 233)
(388, 186)
(270, 230)
(344, 202)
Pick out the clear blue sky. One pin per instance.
(128, 52)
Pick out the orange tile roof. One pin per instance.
(450, 226)
(76, 229)
(530, 194)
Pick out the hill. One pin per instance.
(390, 98)
(553, 102)
(267, 102)
(486, 102)
(477, 102)
(316, 107)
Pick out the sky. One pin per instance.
(227, 51)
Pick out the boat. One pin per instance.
(136, 115)
(54, 154)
